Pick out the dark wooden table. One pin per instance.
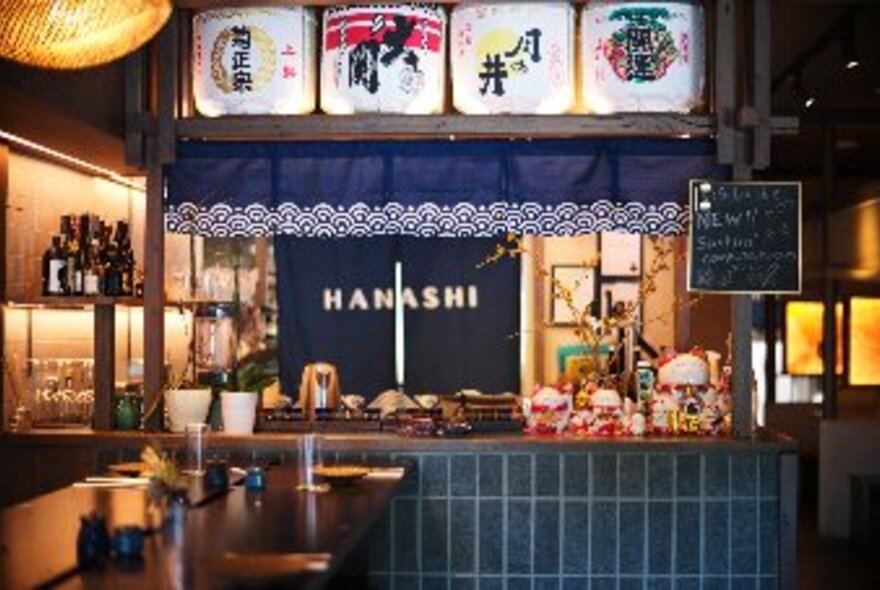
(235, 540)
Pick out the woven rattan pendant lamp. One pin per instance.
(72, 34)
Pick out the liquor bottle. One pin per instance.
(112, 276)
(125, 259)
(126, 264)
(53, 268)
(92, 276)
(66, 239)
(76, 252)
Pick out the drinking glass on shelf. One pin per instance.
(309, 457)
(196, 446)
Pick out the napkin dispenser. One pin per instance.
(319, 389)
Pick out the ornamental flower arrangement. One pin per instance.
(597, 405)
(589, 327)
(166, 481)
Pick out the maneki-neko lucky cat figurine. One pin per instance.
(607, 414)
(685, 401)
(547, 411)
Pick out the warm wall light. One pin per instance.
(72, 161)
(864, 341)
(72, 34)
(803, 337)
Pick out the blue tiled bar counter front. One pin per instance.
(519, 513)
(592, 518)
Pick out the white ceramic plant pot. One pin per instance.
(186, 406)
(239, 411)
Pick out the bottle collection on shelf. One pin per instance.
(688, 395)
(88, 258)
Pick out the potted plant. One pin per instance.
(239, 408)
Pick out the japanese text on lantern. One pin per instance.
(241, 59)
(498, 66)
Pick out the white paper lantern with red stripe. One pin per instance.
(249, 61)
(513, 57)
(387, 58)
(642, 56)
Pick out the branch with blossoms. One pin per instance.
(590, 330)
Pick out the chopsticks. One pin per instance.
(112, 482)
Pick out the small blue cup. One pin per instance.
(255, 480)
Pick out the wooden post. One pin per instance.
(741, 323)
(184, 74)
(105, 363)
(160, 150)
(761, 81)
(741, 328)
(167, 80)
(829, 329)
(154, 295)
(770, 336)
(725, 80)
(137, 119)
(4, 198)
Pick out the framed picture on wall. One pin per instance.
(620, 255)
(580, 282)
(620, 293)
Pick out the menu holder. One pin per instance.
(745, 237)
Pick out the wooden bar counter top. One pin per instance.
(278, 537)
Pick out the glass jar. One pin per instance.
(215, 340)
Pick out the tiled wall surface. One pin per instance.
(622, 521)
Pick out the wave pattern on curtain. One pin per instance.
(434, 188)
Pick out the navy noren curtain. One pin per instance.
(336, 305)
(434, 188)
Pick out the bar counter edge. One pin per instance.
(762, 441)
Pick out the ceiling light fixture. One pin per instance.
(72, 161)
(73, 34)
(799, 93)
(848, 46)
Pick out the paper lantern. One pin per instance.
(642, 56)
(249, 61)
(513, 58)
(71, 34)
(383, 59)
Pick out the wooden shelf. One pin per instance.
(352, 127)
(333, 127)
(77, 301)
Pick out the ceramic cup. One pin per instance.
(186, 406)
(239, 410)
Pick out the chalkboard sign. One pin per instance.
(745, 237)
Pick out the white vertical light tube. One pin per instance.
(398, 324)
